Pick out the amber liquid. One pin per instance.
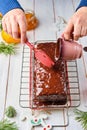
(32, 21)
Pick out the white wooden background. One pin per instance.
(47, 11)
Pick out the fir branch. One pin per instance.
(0, 17)
(7, 49)
(81, 116)
(10, 112)
(7, 125)
(1, 27)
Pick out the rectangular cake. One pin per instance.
(49, 83)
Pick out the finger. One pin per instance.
(83, 31)
(23, 28)
(4, 25)
(68, 31)
(14, 25)
(8, 26)
(77, 31)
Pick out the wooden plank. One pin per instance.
(46, 19)
(13, 93)
(63, 11)
(4, 68)
(13, 85)
(26, 4)
(4, 72)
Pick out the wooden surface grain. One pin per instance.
(47, 12)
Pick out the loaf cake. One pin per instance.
(49, 83)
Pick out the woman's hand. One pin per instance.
(77, 25)
(14, 21)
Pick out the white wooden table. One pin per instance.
(47, 11)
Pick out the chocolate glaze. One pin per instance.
(49, 83)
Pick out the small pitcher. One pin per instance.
(70, 50)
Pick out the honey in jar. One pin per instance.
(32, 21)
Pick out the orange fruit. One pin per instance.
(32, 21)
(0, 15)
(8, 38)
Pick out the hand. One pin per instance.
(77, 25)
(13, 21)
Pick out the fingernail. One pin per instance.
(66, 37)
(76, 38)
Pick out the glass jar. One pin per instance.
(32, 21)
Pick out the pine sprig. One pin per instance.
(0, 26)
(10, 112)
(7, 125)
(0, 17)
(81, 116)
(7, 49)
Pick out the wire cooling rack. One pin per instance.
(73, 88)
(73, 81)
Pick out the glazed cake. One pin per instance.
(49, 83)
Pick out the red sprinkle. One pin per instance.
(35, 120)
(48, 126)
(44, 129)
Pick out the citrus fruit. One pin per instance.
(8, 38)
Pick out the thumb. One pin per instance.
(67, 34)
